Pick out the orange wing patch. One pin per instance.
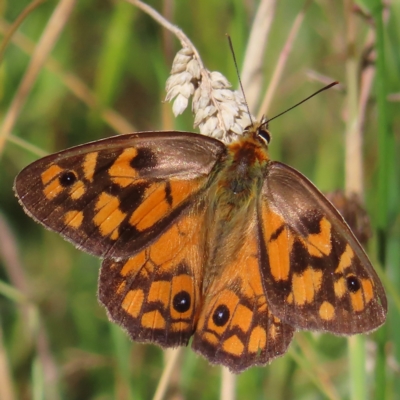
(280, 242)
(306, 285)
(89, 165)
(109, 216)
(159, 199)
(121, 171)
(73, 219)
(319, 244)
(155, 294)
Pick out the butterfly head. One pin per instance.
(259, 131)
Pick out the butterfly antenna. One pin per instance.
(238, 75)
(307, 98)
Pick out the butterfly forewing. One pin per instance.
(316, 274)
(114, 196)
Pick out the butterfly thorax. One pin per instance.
(241, 177)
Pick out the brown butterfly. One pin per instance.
(207, 240)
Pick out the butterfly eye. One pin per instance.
(221, 315)
(264, 133)
(353, 284)
(68, 178)
(181, 301)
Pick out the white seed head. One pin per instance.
(180, 104)
(218, 111)
(193, 68)
(219, 81)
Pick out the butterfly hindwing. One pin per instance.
(236, 327)
(316, 274)
(114, 196)
(156, 294)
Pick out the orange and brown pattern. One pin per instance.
(236, 327)
(207, 240)
(113, 196)
(311, 261)
(156, 294)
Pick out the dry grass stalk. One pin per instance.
(34, 331)
(280, 65)
(17, 23)
(228, 385)
(173, 356)
(47, 41)
(252, 74)
(72, 82)
(6, 386)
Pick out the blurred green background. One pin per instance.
(106, 75)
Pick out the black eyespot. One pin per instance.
(353, 284)
(67, 178)
(181, 301)
(221, 315)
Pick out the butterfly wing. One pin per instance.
(114, 196)
(155, 295)
(236, 327)
(316, 274)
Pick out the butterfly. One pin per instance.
(207, 240)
